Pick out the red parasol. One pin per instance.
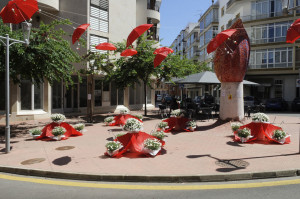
(293, 33)
(78, 32)
(128, 52)
(159, 58)
(106, 46)
(17, 11)
(219, 39)
(136, 32)
(163, 49)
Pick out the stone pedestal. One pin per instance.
(231, 101)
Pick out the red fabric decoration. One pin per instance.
(177, 123)
(293, 33)
(219, 39)
(106, 46)
(128, 52)
(136, 32)
(122, 118)
(47, 131)
(163, 49)
(78, 32)
(261, 131)
(17, 11)
(159, 58)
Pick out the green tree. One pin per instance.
(49, 54)
(140, 68)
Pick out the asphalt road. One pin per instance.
(15, 187)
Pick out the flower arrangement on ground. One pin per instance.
(191, 125)
(235, 126)
(177, 113)
(163, 125)
(58, 117)
(58, 132)
(139, 116)
(79, 126)
(159, 134)
(124, 111)
(113, 147)
(133, 124)
(119, 135)
(152, 146)
(260, 117)
(244, 134)
(35, 132)
(109, 120)
(279, 135)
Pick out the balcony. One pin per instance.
(50, 5)
(154, 15)
(232, 4)
(264, 16)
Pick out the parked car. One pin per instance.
(296, 104)
(251, 101)
(276, 104)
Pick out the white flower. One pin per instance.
(152, 144)
(79, 126)
(138, 116)
(235, 126)
(124, 110)
(260, 117)
(133, 124)
(35, 131)
(192, 124)
(159, 134)
(177, 113)
(279, 134)
(109, 119)
(244, 133)
(58, 130)
(113, 145)
(163, 125)
(58, 117)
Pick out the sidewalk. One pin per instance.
(208, 154)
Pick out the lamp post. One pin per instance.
(7, 41)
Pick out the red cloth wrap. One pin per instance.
(176, 123)
(47, 131)
(122, 118)
(261, 131)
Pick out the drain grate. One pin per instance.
(33, 161)
(63, 148)
(232, 163)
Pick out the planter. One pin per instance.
(112, 153)
(245, 139)
(57, 138)
(35, 136)
(151, 152)
(281, 141)
(191, 128)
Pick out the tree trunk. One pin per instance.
(90, 109)
(145, 97)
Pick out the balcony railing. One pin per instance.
(263, 16)
(267, 40)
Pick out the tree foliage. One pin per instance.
(49, 54)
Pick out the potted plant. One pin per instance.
(79, 127)
(279, 135)
(191, 125)
(58, 132)
(163, 125)
(58, 118)
(109, 120)
(133, 125)
(177, 113)
(113, 147)
(124, 111)
(244, 134)
(159, 134)
(35, 132)
(260, 117)
(139, 116)
(235, 126)
(152, 146)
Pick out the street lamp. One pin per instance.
(26, 28)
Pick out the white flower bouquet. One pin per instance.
(152, 146)
(163, 125)
(79, 127)
(133, 125)
(109, 120)
(58, 132)
(244, 134)
(260, 117)
(177, 113)
(139, 116)
(113, 147)
(191, 125)
(58, 117)
(235, 126)
(159, 134)
(35, 132)
(279, 135)
(124, 111)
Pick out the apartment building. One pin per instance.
(110, 21)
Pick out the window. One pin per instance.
(201, 25)
(99, 15)
(31, 95)
(201, 41)
(95, 40)
(222, 11)
(278, 88)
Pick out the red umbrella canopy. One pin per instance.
(159, 58)
(106, 46)
(163, 49)
(293, 33)
(78, 32)
(136, 32)
(219, 39)
(128, 52)
(17, 11)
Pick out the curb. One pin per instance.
(164, 179)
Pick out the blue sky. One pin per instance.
(176, 14)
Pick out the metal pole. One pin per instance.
(7, 128)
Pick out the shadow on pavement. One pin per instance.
(62, 161)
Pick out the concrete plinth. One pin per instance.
(231, 101)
